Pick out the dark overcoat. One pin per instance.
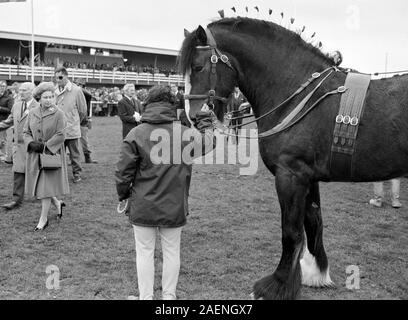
(126, 111)
(158, 192)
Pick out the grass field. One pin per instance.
(231, 240)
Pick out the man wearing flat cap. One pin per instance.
(71, 100)
(18, 118)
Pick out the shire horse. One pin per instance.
(269, 63)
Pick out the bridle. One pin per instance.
(216, 56)
(289, 121)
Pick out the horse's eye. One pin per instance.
(198, 68)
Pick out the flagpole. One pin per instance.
(32, 41)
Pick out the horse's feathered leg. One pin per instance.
(314, 264)
(285, 282)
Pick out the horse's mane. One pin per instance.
(240, 23)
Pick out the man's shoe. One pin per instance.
(89, 160)
(376, 203)
(396, 204)
(12, 205)
(77, 179)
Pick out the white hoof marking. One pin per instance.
(311, 274)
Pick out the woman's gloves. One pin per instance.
(36, 147)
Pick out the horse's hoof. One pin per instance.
(271, 288)
(252, 295)
(311, 274)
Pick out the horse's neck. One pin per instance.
(270, 73)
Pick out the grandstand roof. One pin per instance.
(86, 43)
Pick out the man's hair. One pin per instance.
(28, 85)
(127, 86)
(62, 70)
(160, 93)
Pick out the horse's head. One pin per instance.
(209, 74)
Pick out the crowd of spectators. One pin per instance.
(20, 61)
(91, 66)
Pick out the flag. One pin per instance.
(12, 1)
(221, 13)
(233, 9)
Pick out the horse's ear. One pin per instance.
(186, 33)
(201, 36)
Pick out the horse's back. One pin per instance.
(382, 141)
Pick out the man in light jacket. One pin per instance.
(6, 104)
(18, 118)
(71, 100)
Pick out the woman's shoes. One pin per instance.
(62, 205)
(41, 229)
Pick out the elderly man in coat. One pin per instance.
(18, 118)
(71, 100)
(6, 104)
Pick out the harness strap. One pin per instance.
(284, 125)
(347, 124)
(315, 76)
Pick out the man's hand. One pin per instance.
(137, 116)
(89, 124)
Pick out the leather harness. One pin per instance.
(347, 124)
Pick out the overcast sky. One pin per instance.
(363, 30)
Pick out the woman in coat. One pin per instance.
(44, 132)
(158, 192)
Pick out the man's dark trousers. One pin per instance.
(74, 155)
(18, 188)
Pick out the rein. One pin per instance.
(314, 76)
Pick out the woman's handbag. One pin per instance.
(50, 161)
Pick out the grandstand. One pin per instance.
(97, 63)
